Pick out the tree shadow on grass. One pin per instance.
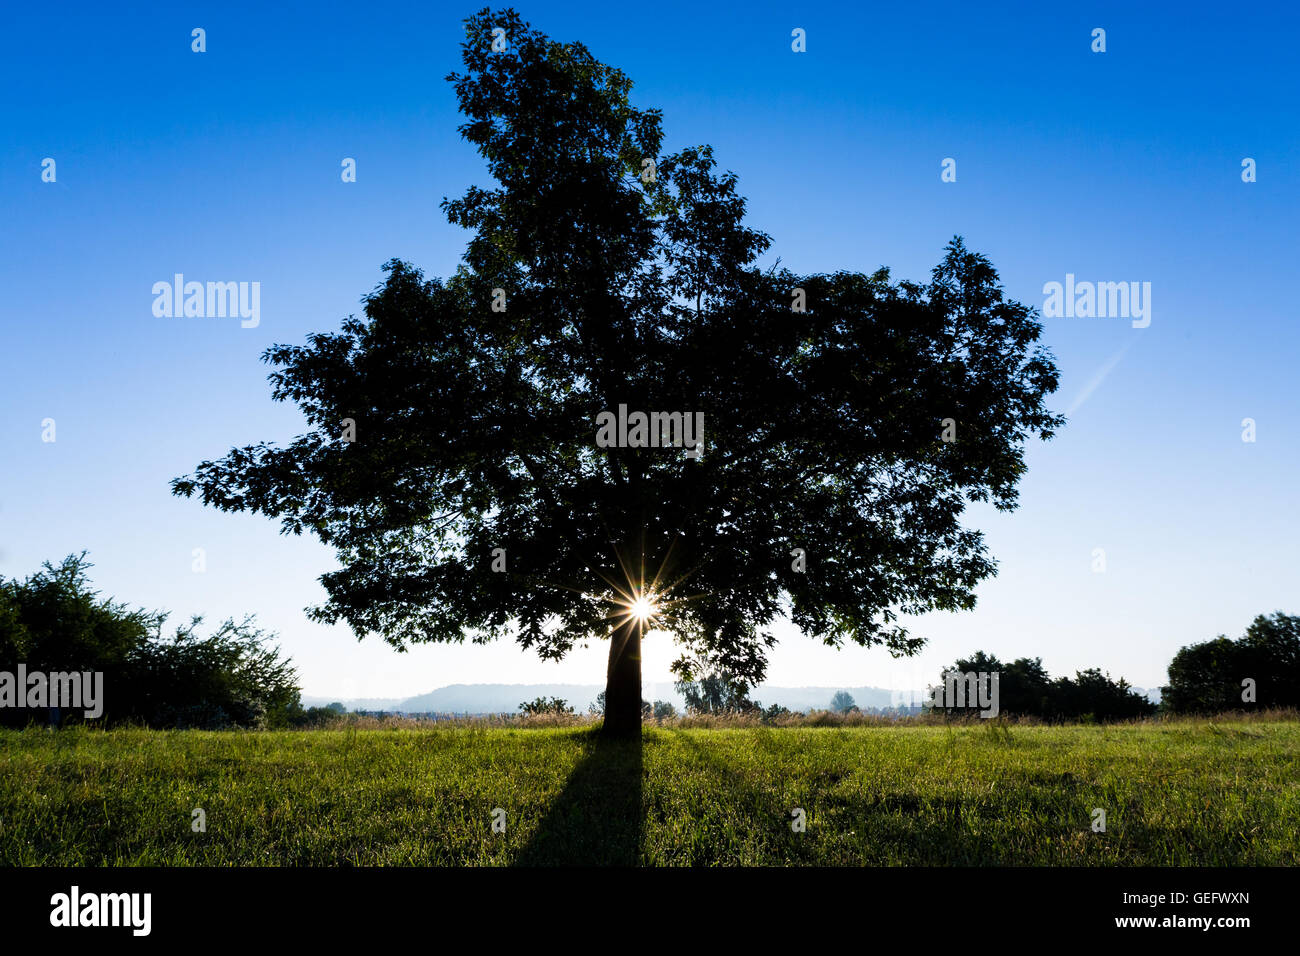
(596, 819)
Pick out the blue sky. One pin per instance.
(224, 165)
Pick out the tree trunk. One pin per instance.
(623, 682)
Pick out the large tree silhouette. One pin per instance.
(453, 461)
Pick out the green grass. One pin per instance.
(1191, 792)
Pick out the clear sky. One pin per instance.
(1122, 166)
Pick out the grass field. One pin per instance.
(1185, 792)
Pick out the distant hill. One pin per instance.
(481, 698)
(358, 703)
(497, 698)
(505, 698)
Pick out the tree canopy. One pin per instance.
(452, 460)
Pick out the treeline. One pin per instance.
(1259, 670)
(53, 622)
(231, 676)
(1025, 689)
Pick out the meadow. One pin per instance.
(1176, 792)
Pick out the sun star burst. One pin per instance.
(643, 608)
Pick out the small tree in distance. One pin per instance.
(843, 702)
(715, 694)
(545, 705)
(663, 710)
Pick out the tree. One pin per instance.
(459, 457)
(1092, 694)
(545, 705)
(843, 702)
(1271, 658)
(297, 716)
(55, 621)
(715, 694)
(663, 710)
(1025, 689)
(228, 677)
(1208, 677)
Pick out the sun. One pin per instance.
(634, 598)
(643, 608)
